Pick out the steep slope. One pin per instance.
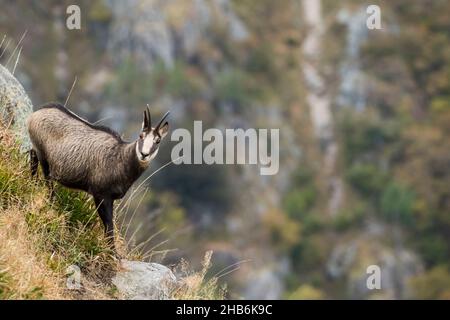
(54, 247)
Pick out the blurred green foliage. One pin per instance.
(131, 85)
(367, 179)
(396, 204)
(434, 284)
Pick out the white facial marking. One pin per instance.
(148, 144)
(143, 154)
(138, 153)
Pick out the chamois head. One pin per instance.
(150, 137)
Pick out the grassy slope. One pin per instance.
(40, 239)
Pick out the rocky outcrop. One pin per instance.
(156, 30)
(320, 104)
(350, 260)
(15, 105)
(138, 280)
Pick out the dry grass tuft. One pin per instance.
(25, 273)
(196, 285)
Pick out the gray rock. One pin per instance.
(15, 106)
(349, 261)
(144, 30)
(140, 29)
(144, 281)
(341, 259)
(265, 285)
(266, 282)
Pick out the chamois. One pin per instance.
(91, 158)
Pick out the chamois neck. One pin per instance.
(135, 165)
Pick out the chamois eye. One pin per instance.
(141, 135)
(158, 140)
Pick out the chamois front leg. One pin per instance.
(48, 181)
(105, 210)
(34, 162)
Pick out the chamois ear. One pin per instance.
(158, 128)
(164, 129)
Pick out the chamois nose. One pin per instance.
(144, 155)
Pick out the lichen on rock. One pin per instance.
(15, 106)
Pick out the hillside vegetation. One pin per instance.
(42, 238)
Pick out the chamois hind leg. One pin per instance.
(34, 162)
(105, 210)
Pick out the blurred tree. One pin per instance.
(434, 284)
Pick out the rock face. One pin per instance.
(350, 260)
(144, 281)
(163, 30)
(15, 106)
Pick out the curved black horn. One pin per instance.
(149, 118)
(161, 121)
(145, 121)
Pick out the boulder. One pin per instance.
(138, 280)
(15, 106)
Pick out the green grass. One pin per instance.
(58, 232)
